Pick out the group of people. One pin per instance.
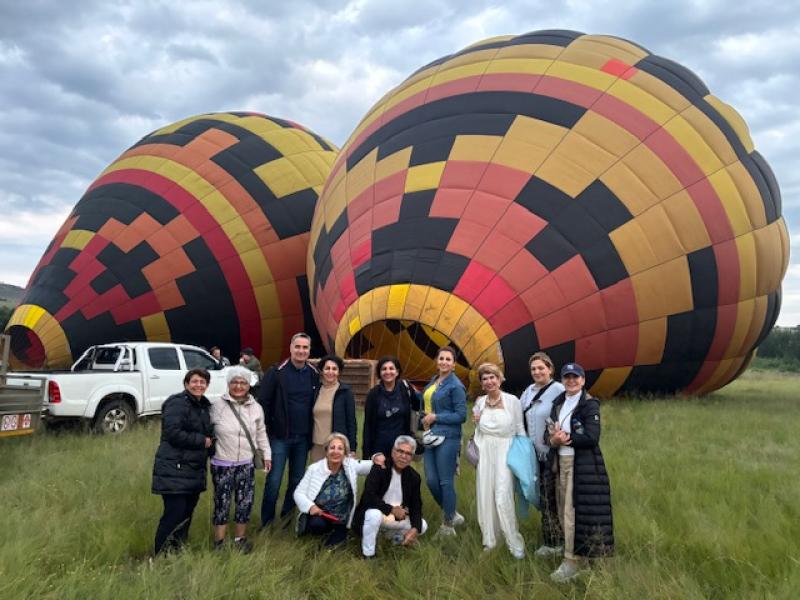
(301, 409)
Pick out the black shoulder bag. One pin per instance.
(530, 406)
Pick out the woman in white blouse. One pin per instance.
(498, 418)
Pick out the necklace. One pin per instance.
(494, 404)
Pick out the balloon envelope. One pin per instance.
(552, 191)
(196, 234)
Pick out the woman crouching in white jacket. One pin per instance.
(326, 496)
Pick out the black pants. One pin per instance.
(173, 528)
(551, 526)
(336, 532)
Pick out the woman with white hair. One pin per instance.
(326, 495)
(241, 444)
(498, 418)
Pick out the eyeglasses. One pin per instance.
(403, 452)
(239, 383)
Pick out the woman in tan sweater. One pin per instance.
(334, 408)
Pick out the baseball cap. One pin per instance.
(572, 369)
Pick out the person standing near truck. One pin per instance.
(249, 361)
(179, 469)
(287, 397)
(216, 352)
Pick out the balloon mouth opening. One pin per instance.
(414, 344)
(27, 349)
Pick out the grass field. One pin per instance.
(705, 494)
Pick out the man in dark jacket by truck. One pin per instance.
(287, 397)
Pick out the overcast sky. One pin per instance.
(82, 81)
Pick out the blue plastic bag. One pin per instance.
(525, 466)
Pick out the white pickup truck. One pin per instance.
(112, 385)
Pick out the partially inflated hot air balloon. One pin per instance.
(197, 234)
(552, 191)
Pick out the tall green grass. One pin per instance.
(705, 494)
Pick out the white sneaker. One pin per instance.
(548, 551)
(565, 572)
(518, 554)
(446, 531)
(458, 520)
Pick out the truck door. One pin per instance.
(165, 376)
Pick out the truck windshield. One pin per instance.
(199, 360)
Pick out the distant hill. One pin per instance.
(10, 294)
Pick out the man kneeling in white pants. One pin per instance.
(391, 500)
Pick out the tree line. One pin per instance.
(781, 349)
(5, 315)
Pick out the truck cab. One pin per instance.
(111, 385)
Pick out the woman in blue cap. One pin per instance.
(582, 487)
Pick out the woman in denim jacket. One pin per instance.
(445, 407)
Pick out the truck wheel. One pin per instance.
(113, 417)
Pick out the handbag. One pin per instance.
(472, 452)
(258, 453)
(415, 420)
(431, 439)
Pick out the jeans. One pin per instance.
(295, 450)
(336, 532)
(551, 527)
(440, 470)
(173, 528)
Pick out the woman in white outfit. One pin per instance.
(498, 418)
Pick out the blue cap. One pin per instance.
(572, 369)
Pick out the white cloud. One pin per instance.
(31, 228)
(81, 82)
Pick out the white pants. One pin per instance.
(375, 521)
(495, 495)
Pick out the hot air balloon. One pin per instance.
(196, 234)
(552, 191)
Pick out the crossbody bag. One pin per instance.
(258, 454)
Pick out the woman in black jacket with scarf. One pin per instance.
(582, 486)
(179, 470)
(388, 409)
(334, 408)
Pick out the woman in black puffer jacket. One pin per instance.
(179, 471)
(582, 487)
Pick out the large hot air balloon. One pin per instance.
(196, 234)
(557, 191)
